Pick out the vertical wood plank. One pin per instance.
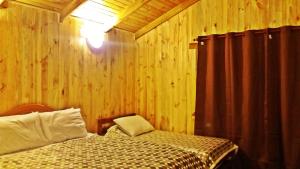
(175, 62)
(43, 61)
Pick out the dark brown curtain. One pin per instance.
(248, 90)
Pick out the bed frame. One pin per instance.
(27, 108)
(105, 123)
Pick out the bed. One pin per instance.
(98, 152)
(88, 151)
(211, 151)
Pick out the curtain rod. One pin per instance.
(266, 31)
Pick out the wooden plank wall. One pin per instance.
(166, 67)
(43, 61)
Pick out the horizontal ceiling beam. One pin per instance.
(131, 9)
(163, 18)
(70, 8)
(45, 5)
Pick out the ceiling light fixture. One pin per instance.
(97, 21)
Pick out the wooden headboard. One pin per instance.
(27, 108)
(106, 123)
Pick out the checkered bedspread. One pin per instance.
(208, 149)
(101, 152)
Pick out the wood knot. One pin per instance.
(259, 5)
(2, 87)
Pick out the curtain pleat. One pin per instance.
(248, 90)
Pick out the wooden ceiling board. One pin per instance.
(138, 16)
(154, 9)
(49, 6)
(60, 5)
(142, 16)
(119, 3)
(176, 1)
(153, 13)
(137, 21)
(58, 1)
(170, 3)
(134, 22)
(164, 6)
(161, 5)
(130, 10)
(126, 27)
(163, 18)
(109, 4)
(116, 4)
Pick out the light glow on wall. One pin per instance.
(98, 19)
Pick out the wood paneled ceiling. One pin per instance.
(137, 16)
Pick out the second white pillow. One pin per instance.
(63, 125)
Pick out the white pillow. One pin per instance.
(63, 125)
(134, 125)
(20, 132)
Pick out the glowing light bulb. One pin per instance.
(93, 33)
(96, 41)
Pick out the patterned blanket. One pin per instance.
(101, 152)
(209, 149)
